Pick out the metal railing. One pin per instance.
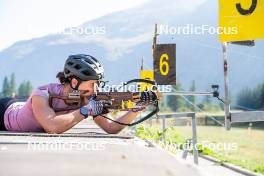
(182, 115)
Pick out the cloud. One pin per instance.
(22, 50)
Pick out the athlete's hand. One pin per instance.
(96, 107)
(148, 96)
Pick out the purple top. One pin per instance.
(19, 116)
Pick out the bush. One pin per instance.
(259, 169)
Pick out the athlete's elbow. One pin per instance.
(112, 131)
(53, 130)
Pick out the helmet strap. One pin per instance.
(79, 81)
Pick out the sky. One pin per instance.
(27, 19)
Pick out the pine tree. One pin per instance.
(207, 100)
(174, 102)
(28, 88)
(262, 96)
(22, 89)
(25, 89)
(12, 85)
(251, 98)
(5, 89)
(192, 99)
(208, 105)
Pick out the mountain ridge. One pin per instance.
(128, 38)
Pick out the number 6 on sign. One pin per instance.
(164, 63)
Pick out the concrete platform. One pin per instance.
(87, 150)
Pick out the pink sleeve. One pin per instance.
(41, 91)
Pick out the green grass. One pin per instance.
(248, 153)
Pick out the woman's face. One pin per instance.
(88, 87)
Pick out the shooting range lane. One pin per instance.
(108, 154)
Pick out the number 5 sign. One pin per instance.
(165, 64)
(241, 20)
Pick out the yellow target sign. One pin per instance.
(241, 20)
(146, 74)
(165, 64)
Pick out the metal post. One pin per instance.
(194, 139)
(227, 102)
(188, 93)
(194, 132)
(154, 42)
(186, 148)
(163, 130)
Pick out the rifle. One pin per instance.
(112, 100)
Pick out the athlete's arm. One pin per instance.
(48, 119)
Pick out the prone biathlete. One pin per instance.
(81, 72)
